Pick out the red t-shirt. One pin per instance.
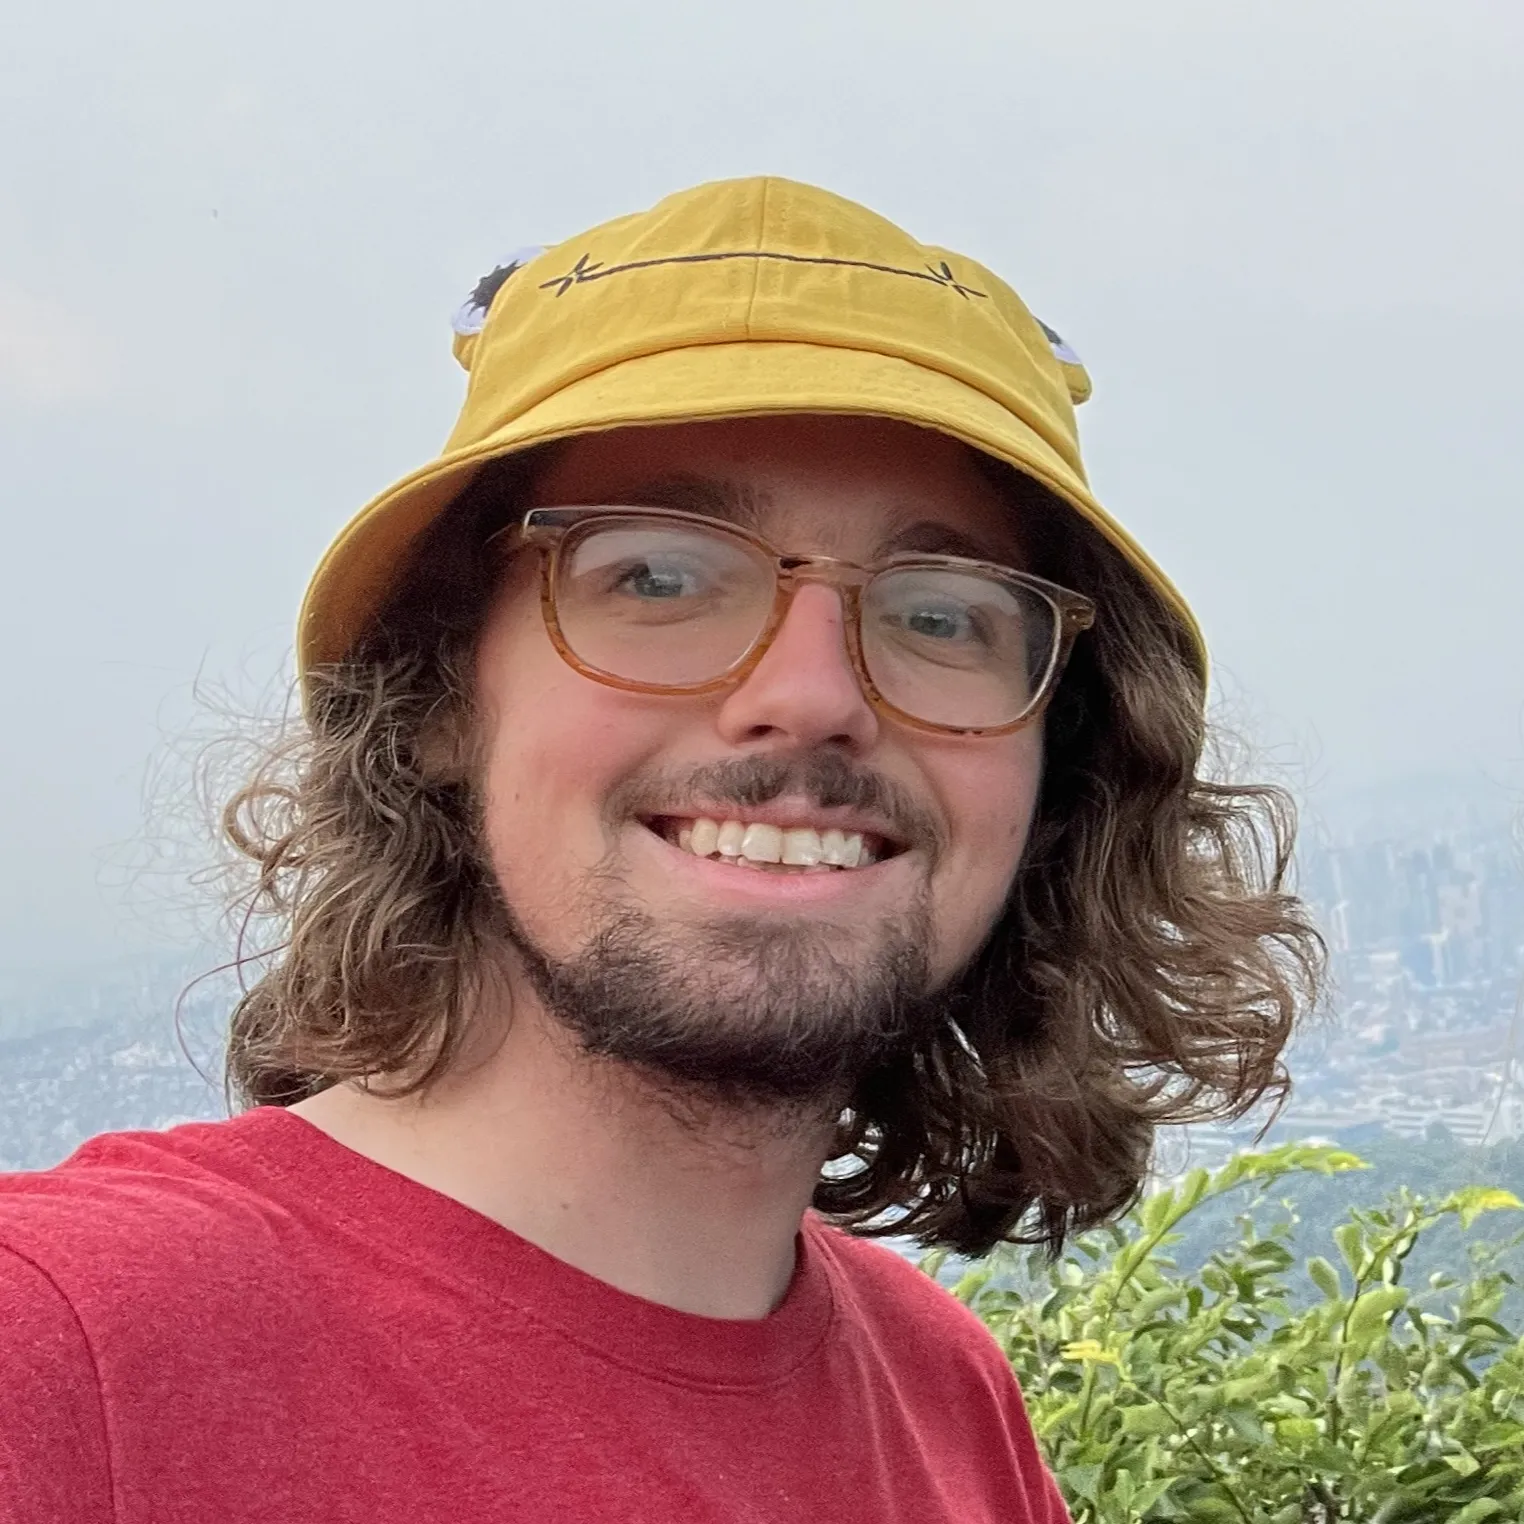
(245, 1320)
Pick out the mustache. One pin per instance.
(825, 778)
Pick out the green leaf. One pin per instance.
(1476, 1511)
(1155, 1211)
(1371, 1310)
(1082, 1481)
(1492, 1326)
(1192, 1189)
(1498, 1436)
(1248, 1388)
(1334, 1161)
(932, 1261)
(1162, 1296)
(1150, 1493)
(1288, 1159)
(1048, 1420)
(1350, 1238)
(1466, 1374)
(1269, 1255)
(973, 1281)
(1215, 1510)
(1298, 1431)
(1122, 1493)
(1245, 1423)
(1325, 1278)
(1147, 1418)
(1058, 1301)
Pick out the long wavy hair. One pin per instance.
(1148, 968)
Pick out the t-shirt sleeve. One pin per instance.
(54, 1464)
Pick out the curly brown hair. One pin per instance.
(1149, 966)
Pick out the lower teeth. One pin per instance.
(746, 862)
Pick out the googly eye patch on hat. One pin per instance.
(471, 315)
(1069, 361)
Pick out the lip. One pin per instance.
(718, 882)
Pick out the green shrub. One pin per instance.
(1214, 1395)
(1433, 1167)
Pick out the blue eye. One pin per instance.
(936, 623)
(932, 622)
(656, 579)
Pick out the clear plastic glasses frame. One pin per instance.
(556, 532)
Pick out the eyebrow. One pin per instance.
(927, 537)
(712, 496)
(739, 504)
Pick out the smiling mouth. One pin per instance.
(768, 848)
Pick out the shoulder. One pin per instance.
(54, 1459)
(877, 1272)
(121, 1271)
(144, 1219)
(132, 1180)
(940, 1361)
(886, 1292)
(42, 1337)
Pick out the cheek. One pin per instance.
(991, 793)
(556, 743)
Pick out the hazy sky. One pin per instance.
(1287, 238)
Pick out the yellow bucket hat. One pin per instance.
(735, 298)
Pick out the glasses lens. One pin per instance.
(658, 603)
(957, 648)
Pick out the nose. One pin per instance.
(804, 691)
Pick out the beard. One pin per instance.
(746, 1013)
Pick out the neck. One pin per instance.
(697, 1210)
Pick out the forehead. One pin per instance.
(820, 483)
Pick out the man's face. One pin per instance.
(769, 980)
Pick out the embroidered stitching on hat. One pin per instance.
(582, 272)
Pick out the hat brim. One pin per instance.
(705, 381)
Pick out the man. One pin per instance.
(747, 789)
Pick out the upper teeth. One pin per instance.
(758, 842)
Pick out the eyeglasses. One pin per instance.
(653, 600)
